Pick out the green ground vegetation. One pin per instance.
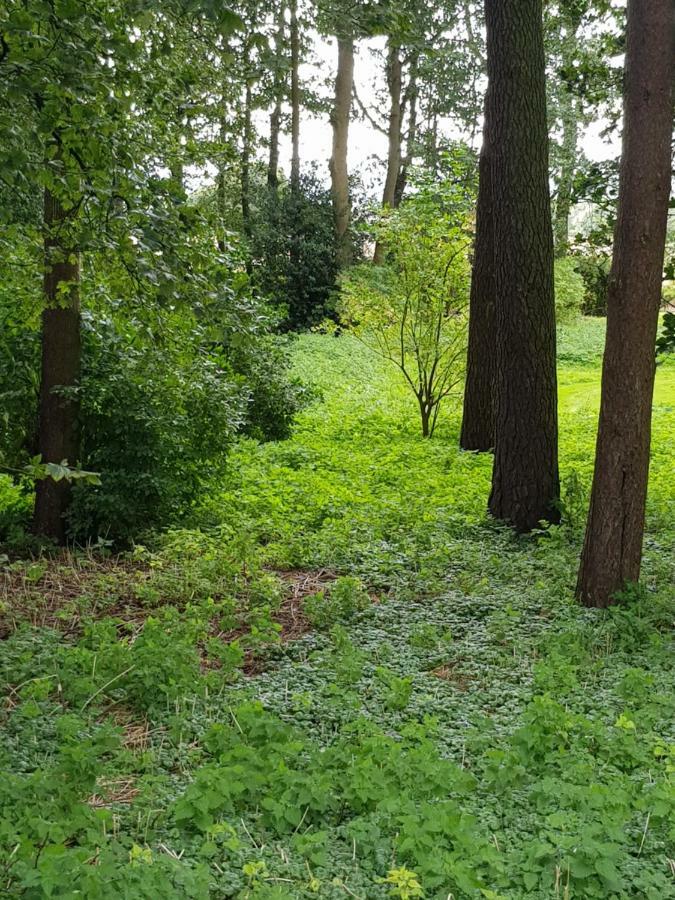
(341, 679)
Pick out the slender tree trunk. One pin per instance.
(525, 482)
(344, 82)
(58, 437)
(246, 162)
(613, 545)
(394, 80)
(478, 419)
(275, 116)
(563, 201)
(295, 99)
(411, 136)
(221, 185)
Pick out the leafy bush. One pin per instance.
(293, 249)
(414, 310)
(274, 396)
(157, 418)
(593, 265)
(344, 599)
(569, 289)
(154, 422)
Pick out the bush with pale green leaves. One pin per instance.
(413, 311)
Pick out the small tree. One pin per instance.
(413, 310)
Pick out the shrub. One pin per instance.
(569, 289)
(414, 310)
(593, 266)
(154, 424)
(293, 246)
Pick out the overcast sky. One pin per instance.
(365, 142)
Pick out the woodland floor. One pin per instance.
(342, 680)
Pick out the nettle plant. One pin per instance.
(413, 311)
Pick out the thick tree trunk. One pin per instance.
(394, 80)
(338, 164)
(295, 99)
(478, 419)
(563, 201)
(275, 116)
(58, 438)
(613, 544)
(525, 482)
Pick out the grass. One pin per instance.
(345, 681)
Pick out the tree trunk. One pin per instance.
(394, 79)
(58, 437)
(613, 545)
(295, 99)
(478, 419)
(246, 163)
(275, 116)
(525, 481)
(411, 136)
(338, 164)
(563, 201)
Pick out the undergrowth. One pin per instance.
(345, 681)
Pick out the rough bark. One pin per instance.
(58, 438)
(525, 481)
(613, 545)
(478, 419)
(394, 81)
(338, 164)
(295, 98)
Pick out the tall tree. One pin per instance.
(525, 481)
(58, 437)
(478, 418)
(394, 135)
(278, 97)
(340, 117)
(295, 97)
(613, 545)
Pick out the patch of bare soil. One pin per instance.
(453, 673)
(61, 591)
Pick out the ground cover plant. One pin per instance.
(341, 679)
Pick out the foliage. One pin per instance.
(293, 248)
(593, 265)
(413, 311)
(569, 289)
(666, 340)
(465, 729)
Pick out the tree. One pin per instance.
(412, 311)
(525, 481)
(478, 418)
(613, 544)
(394, 128)
(295, 98)
(340, 117)
(65, 77)
(58, 438)
(278, 92)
